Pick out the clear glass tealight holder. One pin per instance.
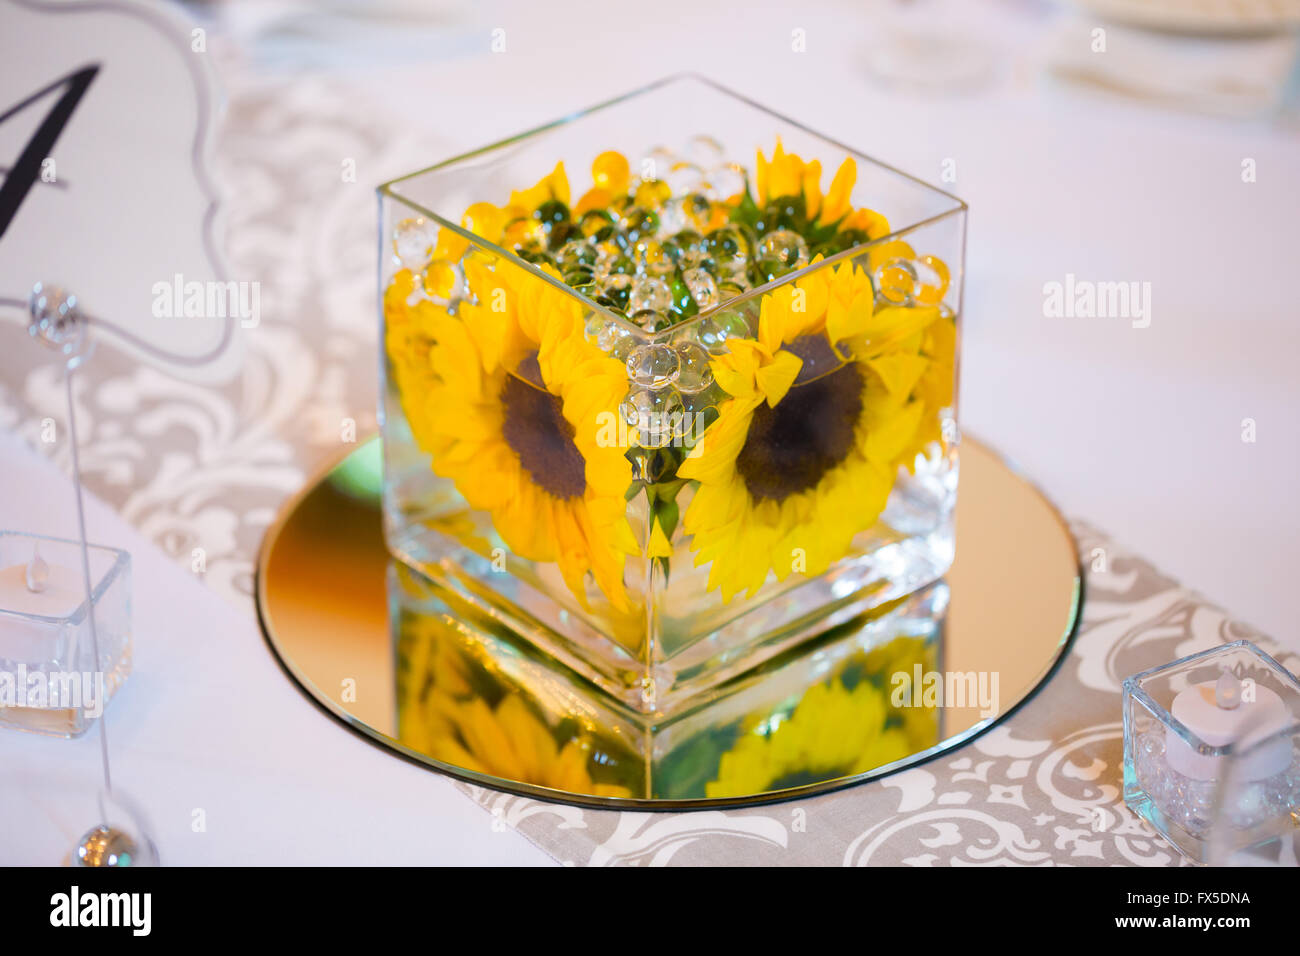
(1212, 750)
(50, 681)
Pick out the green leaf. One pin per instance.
(667, 514)
(747, 212)
(687, 770)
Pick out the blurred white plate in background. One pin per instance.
(1200, 16)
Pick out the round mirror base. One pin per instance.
(417, 671)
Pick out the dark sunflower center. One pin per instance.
(818, 357)
(537, 431)
(790, 448)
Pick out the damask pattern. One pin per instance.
(202, 470)
(1043, 788)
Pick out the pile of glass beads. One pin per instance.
(681, 238)
(667, 248)
(1191, 803)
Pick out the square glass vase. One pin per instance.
(669, 385)
(50, 682)
(1222, 779)
(759, 734)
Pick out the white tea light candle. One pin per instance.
(40, 588)
(1224, 712)
(34, 589)
(45, 638)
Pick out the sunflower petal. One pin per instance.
(837, 198)
(899, 371)
(774, 380)
(658, 546)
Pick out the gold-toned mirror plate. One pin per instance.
(406, 664)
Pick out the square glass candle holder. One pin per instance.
(50, 682)
(669, 385)
(1214, 775)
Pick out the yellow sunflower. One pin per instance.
(508, 741)
(496, 224)
(511, 412)
(786, 174)
(825, 405)
(408, 337)
(409, 319)
(440, 714)
(833, 732)
(902, 655)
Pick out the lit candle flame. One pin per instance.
(38, 573)
(1227, 691)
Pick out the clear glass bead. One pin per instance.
(704, 150)
(617, 282)
(653, 366)
(672, 219)
(524, 232)
(651, 321)
(611, 259)
(649, 293)
(638, 221)
(709, 333)
(684, 177)
(652, 258)
(779, 252)
(694, 373)
(1153, 744)
(730, 249)
(735, 324)
(897, 281)
(607, 250)
(726, 180)
(596, 224)
(627, 410)
(697, 259)
(577, 254)
(616, 340)
(713, 331)
(413, 241)
(658, 155)
(697, 211)
(704, 288)
(733, 286)
(615, 287)
(658, 415)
